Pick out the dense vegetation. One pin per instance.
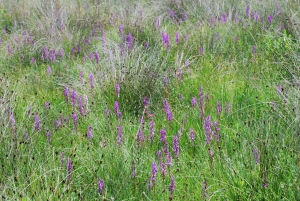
(149, 100)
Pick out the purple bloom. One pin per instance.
(204, 188)
(179, 74)
(176, 146)
(172, 186)
(168, 159)
(163, 134)
(216, 133)
(47, 105)
(172, 13)
(89, 133)
(116, 108)
(74, 116)
(22, 57)
(279, 10)
(270, 19)
(191, 135)
(80, 106)
(140, 136)
(133, 174)
(146, 45)
(100, 186)
(177, 38)
(49, 70)
(158, 22)
(167, 110)
(121, 29)
(74, 98)
(224, 17)
(166, 81)
(37, 123)
(103, 37)
(48, 135)
(194, 102)
(91, 80)
(97, 57)
(129, 40)
(254, 49)
(180, 96)
(120, 136)
(256, 155)
(208, 132)
(265, 179)
(69, 169)
(248, 10)
(118, 90)
(163, 169)
(151, 129)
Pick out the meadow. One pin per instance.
(149, 100)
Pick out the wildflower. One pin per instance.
(74, 116)
(163, 169)
(133, 174)
(129, 41)
(49, 70)
(235, 18)
(172, 13)
(265, 179)
(177, 38)
(80, 106)
(37, 123)
(208, 132)
(163, 134)
(120, 136)
(100, 186)
(140, 136)
(248, 10)
(166, 81)
(173, 185)
(270, 19)
(254, 49)
(103, 37)
(256, 155)
(97, 57)
(151, 129)
(179, 74)
(91, 80)
(194, 101)
(216, 133)
(191, 135)
(118, 90)
(89, 133)
(69, 169)
(74, 98)
(167, 110)
(47, 105)
(158, 22)
(48, 135)
(176, 146)
(204, 188)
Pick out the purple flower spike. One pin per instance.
(47, 105)
(208, 132)
(100, 186)
(173, 185)
(256, 155)
(118, 90)
(270, 19)
(218, 109)
(176, 146)
(49, 70)
(151, 129)
(48, 135)
(97, 57)
(91, 77)
(89, 133)
(191, 135)
(167, 110)
(163, 135)
(69, 169)
(37, 123)
(74, 116)
(74, 98)
(254, 49)
(177, 38)
(194, 102)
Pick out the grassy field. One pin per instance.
(149, 100)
